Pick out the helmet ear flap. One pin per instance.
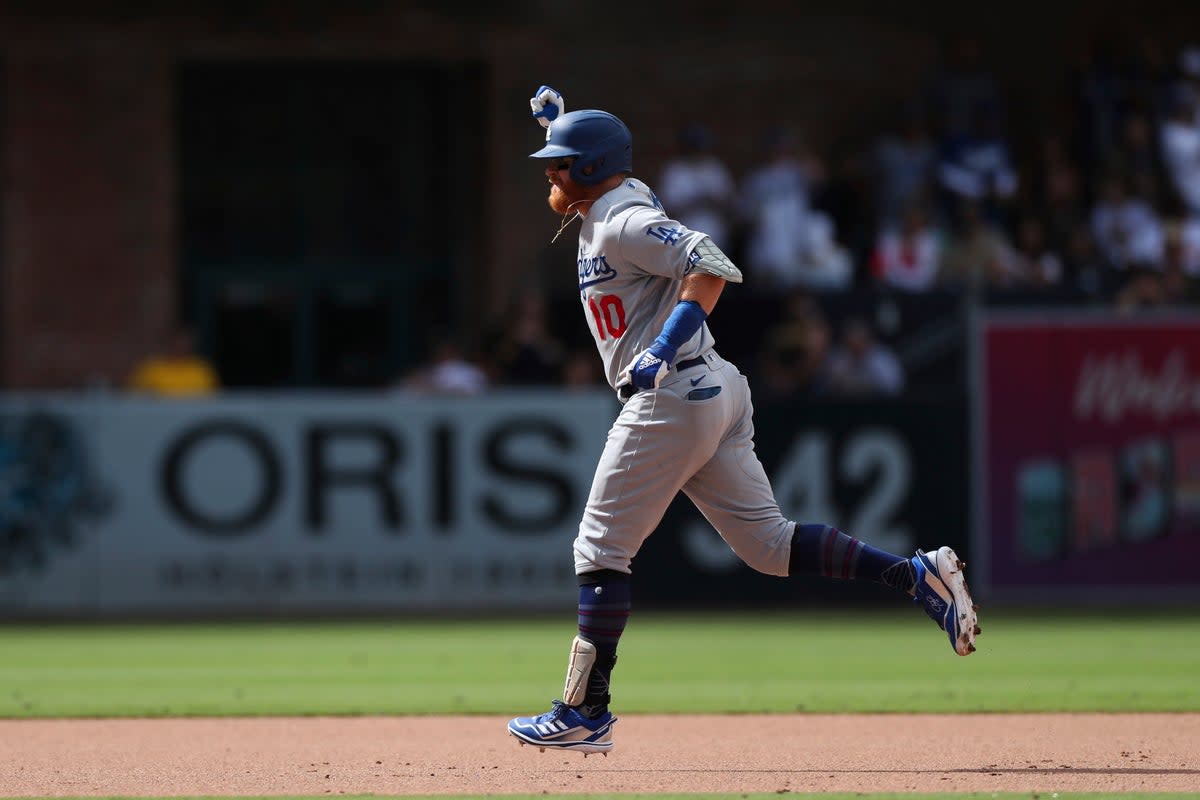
(582, 171)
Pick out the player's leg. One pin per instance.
(934, 580)
(604, 608)
(734, 494)
(645, 461)
(651, 449)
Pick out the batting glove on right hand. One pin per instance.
(649, 368)
(547, 104)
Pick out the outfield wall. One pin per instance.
(367, 503)
(332, 503)
(1080, 450)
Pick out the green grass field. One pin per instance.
(811, 661)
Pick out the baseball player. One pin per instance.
(647, 285)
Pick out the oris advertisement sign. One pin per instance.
(315, 504)
(312, 503)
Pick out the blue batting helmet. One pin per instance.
(595, 139)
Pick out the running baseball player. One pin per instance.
(647, 285)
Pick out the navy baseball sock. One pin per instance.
(824, 550)
(604, 602)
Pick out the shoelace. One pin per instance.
(557, 709)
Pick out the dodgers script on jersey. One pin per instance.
(626, 244)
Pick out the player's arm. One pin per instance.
(702, 289)
(709, 269)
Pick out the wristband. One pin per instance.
(686, 318)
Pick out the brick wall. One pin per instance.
(89, 253)
(88, 256)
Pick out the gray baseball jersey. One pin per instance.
(692, 434)
(627, 247)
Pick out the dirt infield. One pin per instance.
(460, 755)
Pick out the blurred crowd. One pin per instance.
(1099, 207)
(1104, 207)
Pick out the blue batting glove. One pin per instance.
(650, 367)
(547, 104)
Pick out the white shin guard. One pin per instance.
(579, 668)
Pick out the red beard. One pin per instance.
(561, 201)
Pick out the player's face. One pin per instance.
(563, 191)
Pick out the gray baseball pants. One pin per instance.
(694, 434)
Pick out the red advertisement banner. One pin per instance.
(1088, 447)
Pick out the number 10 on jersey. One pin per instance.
(609, 314)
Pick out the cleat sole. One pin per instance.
(586, 748)
(956, 583)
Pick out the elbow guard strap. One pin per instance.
(707, 257)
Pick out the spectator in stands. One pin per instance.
(962, 84)
(1143, 288)
(1180, 137)
(1188, 76)
(978, 253)
(795, 354)
(1057, 192)
(447, 371)
(861, 365)
(1137, 157)
(907, 256)
(789, 244)
(1086, 268)
(1172, 285)
(974, 163)
(825, 263)
(1181, 265)
(1101, 88)
(1125, 227)
(1187, 239)
(178, 371)
(526, 351)
(697, 188)
(581, 370)
(1035, 261)
(846, 197)
(903, 167)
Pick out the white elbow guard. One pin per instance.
(707, 257)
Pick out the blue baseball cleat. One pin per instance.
(564, 728)
(942, 591)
